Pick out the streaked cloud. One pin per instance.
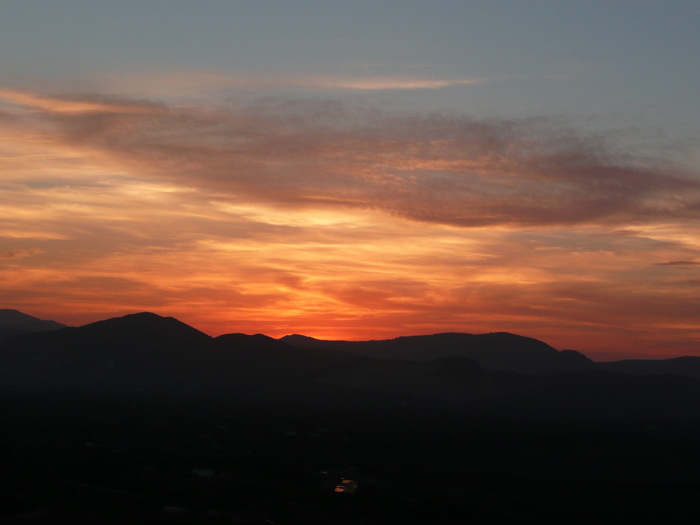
(340, 220)
(20, 254)
(392, 83)
(679, 264)
(447, 170)
(198, 81)
(91, 104)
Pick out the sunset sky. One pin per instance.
(357, 169)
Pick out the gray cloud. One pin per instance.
(680, 264)
(20, 254)
(449, 170)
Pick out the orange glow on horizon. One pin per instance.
(265, 225)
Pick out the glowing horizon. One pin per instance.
(351, 191)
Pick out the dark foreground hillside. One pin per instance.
(78, 459)
(143, 419)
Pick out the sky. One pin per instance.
(357, 169)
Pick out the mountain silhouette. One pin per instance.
(125, 413)
(501, 373)
(14, 323)
(133, 351)
(495, 351)
(688, 366)
(149, 353)
(270, 357)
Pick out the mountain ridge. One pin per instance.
(162, 356)
(493, 351)
(14, 323)
(149, 402)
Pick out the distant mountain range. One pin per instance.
(495, 351)
(499, 351)
(147, 354)
(14, 323)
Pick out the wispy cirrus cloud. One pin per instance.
(391, 83)
(20, 254)
(679, 264)
(449, 170)
(184, 81)
(53, 104)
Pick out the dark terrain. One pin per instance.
(14, 323)
(143, 419)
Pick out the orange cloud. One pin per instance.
(328, 219)
(72, 105)
(20, 254)
(453, 171)
(196, 81)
